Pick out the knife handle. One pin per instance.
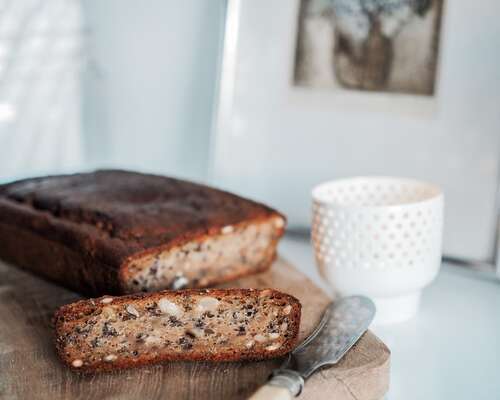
(283, 385)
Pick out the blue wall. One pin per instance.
(149, 85)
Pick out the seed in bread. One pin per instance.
(214, 324)
(240, 248)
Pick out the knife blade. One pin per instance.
(342, 324)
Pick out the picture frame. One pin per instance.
(274, 141)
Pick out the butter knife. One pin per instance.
(341, 326)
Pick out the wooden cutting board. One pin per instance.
(29, 368)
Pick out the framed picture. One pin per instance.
(312, 90)
(374, 45)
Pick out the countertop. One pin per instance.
(451, 349)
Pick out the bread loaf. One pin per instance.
(120, 232)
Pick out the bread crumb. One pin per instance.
(167, 307)
(132, 310)
(195, 332)
(207, 304)
(274, 346)
(110, 358)
(227, 229)
(287, 309)
(279, 223)
(260, 338)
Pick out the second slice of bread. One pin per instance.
(214, 324)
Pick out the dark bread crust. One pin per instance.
(84, 308)
(99, 222)
(56, 261)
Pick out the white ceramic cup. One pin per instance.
(379, 237)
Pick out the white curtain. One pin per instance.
(41, 55)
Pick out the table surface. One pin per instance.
(29, 368)
(451, 349)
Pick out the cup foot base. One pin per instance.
(391, 310)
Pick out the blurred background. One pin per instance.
(87, 84)
(263, 98)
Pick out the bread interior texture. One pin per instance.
(199, 326)
(234, 252)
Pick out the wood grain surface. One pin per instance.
(29, 368)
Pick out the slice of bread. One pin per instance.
(212, 324)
